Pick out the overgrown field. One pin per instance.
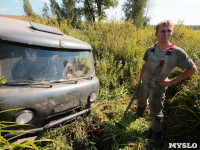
(119, 49)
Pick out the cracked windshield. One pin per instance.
(19, 63)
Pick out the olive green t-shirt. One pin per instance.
(178, 57)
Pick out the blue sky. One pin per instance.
(186, 11)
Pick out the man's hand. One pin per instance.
(164, 83)
(186, 74)
(142, 73)
(139, 82)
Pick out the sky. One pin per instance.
(186, 11)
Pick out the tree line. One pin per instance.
(194, 27)
(91, 10)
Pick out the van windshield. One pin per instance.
(20, 63)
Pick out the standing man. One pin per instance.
(159, 61)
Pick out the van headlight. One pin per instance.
(24, 116)
(93, 97)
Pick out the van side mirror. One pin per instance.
(96, 63)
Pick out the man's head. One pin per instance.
(164, 31)
(164, 23)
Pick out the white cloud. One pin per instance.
(190, 2)
(3, 9)
(15, 1)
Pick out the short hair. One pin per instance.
(164, 23)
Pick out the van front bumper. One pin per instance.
(49, 125)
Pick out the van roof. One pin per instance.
(33, 34)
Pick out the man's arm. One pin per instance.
(186, 74)
(142, 73)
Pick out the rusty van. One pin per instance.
(50, 77)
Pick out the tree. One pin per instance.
(89, 10)
(134, 9)
(71, 12)
(45, 11)
(102, 5)
(56, 10)
(97, 8)
(28, 8)
(69, 7)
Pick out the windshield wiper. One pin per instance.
(88, 77)
(64, 81)
(40, 84)
(30, 83)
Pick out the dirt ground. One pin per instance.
(13, 16)
(25, 139)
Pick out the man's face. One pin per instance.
(164, 34)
